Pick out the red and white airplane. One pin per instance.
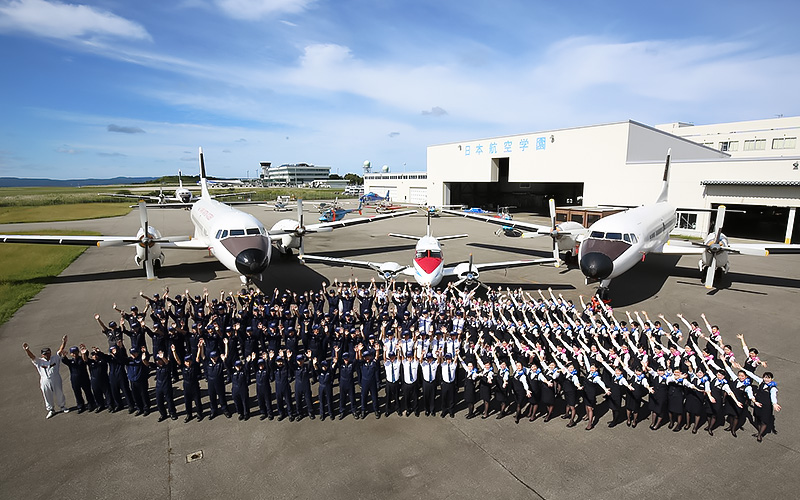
(427, 267)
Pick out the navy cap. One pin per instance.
(45, 349)
(213, 354)
(187, 358)
(133, 350)
(112, 324)
(134, 308)
(238, 362)
(300, 357)
(249, 329)
(262, 361)
(366, 352)
(111, 349)
(346, 355)
(155, 295)
(324, 363)
(74, 349)
(429, 356)
(393, 354)
(448, 356)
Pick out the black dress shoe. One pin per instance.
(81, 409)
(377, 415)
(212, 416)
(262, 417)
(341, 416)
(187, 419)
(311, 416)
(131, 410)
(162, 418)
(228, 414)
(199, 417)
(241, 417)
(270, 417)
(138, 413)
(281, 417)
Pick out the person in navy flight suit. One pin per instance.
(215, 377)
(346, 384)
(79, 378)
(191, 384)
(368, 378)
(164, 398)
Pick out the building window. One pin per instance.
(784, 143)
(755, 145)
(687, 221)
(729, 146)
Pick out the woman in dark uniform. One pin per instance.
(743, 393)
(535, 386)
(696, 399)
(658, 398)
(618, 389)
(765, 401)
(675, 396)
(592, 387)
(640, 388)
(502, 392)
(486, 383)
(470, 379)
(548, 379)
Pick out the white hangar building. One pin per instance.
(751, 167)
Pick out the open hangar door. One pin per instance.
(757, 222)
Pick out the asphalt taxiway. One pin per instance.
(106, 455)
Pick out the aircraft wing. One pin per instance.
(498, 221)
(452, 237)
(764, 249)
(176, 204)
(511, 263)
(188, 244)
(679, 247)
(225, 195)
(327, 226)
(332, 261)
(135, 197)
(100, 241)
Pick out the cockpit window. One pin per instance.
(237, 232)
(633, 238)
(626, 237)
(421, 254)
(219, 234)
(253, 230)
(614, 236)
(224, 234)
(597, 234)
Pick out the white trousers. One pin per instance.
(53, 393)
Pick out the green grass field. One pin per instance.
(26, 269)
(52, 213)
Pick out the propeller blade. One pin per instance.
(532, 234)
(148, 266)
(555, 252)
(300, 212)
(712, 269)
(143, 216)
(552, 204)
(720, 221)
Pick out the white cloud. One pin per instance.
(257, 9)
(66, 21)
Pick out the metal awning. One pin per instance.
(720, 182)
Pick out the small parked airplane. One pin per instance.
(181, 195)
(427, 267)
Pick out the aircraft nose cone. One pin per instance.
(597, 266)
(251, 261)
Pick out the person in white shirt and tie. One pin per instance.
(430, 368)
(448, 367)
(50, 377)
(410, 391)
(392, 367)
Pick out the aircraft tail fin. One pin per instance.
(180, 181)
(662, 198)
(203, 181)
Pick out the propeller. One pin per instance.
(301, 228)
(146, 241)
(554, 230)
(715, 246)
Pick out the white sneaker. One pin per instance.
(50, 414)
(64, 410)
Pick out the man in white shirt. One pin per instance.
(50, 377)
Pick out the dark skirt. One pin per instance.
(548, 395)
(469, 391)
(675, 399)
(486, 392)
(694, 402)
(658, 400)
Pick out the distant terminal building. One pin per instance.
(752, 167)
(293, 174)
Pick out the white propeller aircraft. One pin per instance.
(290, 232)
(617, 242)
(566, 236)
(237, 239)
(181, 195)
(428, 267)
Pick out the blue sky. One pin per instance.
(106, 88)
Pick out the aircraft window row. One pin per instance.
(658, 231)
(629, 237)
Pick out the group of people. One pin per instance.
(427, 350)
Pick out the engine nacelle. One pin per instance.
(466, 273)
(708, 256)
(389, 270)
(154, 251)
(285, 242)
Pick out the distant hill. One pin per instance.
(19, 182)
